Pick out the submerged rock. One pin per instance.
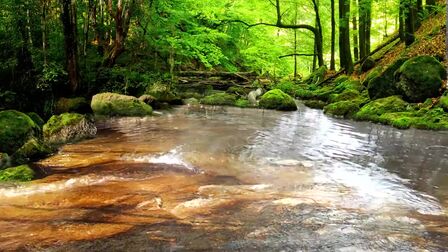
(277, 99)
(110, 104)
(420, 78)
(68, 128)
(16, 128)
(19, 173)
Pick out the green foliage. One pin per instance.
(277, 99)
(110, 104)
(19, 173)
(52, 78)
(222, 99)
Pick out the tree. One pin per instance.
(333, 36)
(344, 36)
(365, 22)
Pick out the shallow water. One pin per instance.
(232, 179)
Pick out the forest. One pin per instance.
(254, 125)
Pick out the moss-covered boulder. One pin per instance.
(221, 99)
(444, 102)
(68, 127)
(36, 118)
(349, 85)
(367, 64)
(277, 99)
(343, 108)
(110, 104)
(237, 90)
(383, 85)
(72, 105)
(373, 110)
(19, 173)
(420, 78)
(315, 104)
(346, 95)
(163, 93)
(372, 74)
(16, 128)
(242, 103)
(33, 149)
(5, 161)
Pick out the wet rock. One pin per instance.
(110, 104)
(68, 128)
(33, 149)
(383, 85)
(343, 108)
(253, 95)
(73, 105)
(316, 104)
(420, 78)
(277, 99)
(373, 110)
(16, 128)
(19, 173)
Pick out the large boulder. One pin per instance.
(277, 99)
(73, 105)
(383, 85)
(110, 104)
(19, 173)
(16, 128)
(374, 109)
(68, 127)
(420, 78)
(367, 64)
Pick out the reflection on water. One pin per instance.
(232, 179)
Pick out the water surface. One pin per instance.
(226, 179)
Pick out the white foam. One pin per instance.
(173, 157)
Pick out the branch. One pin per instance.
(296, 54)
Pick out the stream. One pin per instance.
(230, 179)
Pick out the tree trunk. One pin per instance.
(333, 36)
(409, 20)
(68, 18)
(401, 20)
(344, 36)
(355, 33)
(365, 23)
(44, 30)
(318, 35)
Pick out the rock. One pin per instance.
(68, 127)
(237, 90)
(444, 102)
(219, 99)
(420, 78)
(33, 149)
(373, 74)
(383, 85)
(110, 104)
(315, 104)
(73, 105)
(16, 128)
(343, 108)
(5, 161)
(242, 103)
(373, 110)
(253, 95)
(277, 99)
(36, 118)
(349, 85)
(368, 64)
(19, 173)
(148, 99)
(346, 95)
(163, 94)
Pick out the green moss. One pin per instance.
(57, 122)
(343, 108)
(340, 79)
(163, 93)
(78, 105)
(5, 161)
(19, 173)
(190, 94)
(432, 119)
(373, 110)
(384, 84)
(222, 99)
(242, 103)
(346, 95)
(368, 64)
(373, 74)
(287, 87)
(241, 91)
(304, 93)
(401, 120)
(444, 102)
(32, 149)
(349, 85)
(36, 118)
(277, 99)
(420, 78)
(317, 76)
(316, 104)
(15, 129)
(110, 104)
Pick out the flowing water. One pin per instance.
(227, 179)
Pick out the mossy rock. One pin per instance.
(420, 78)
(72, 105)
(33, 149)
(315, 104)
(36, 118)
(110, 104)
(373, 74)
(19, 173)
(317, 76)
(343, 108)
(349, 85)
(237, 90)
(287, 87)
(444, 102)
(221, 99)
(303, 93)
(430, 119)
(277, 99)
(16, 128)
(5, 161)
(68, 127)
(340, 79)
(346, 95)
(384, 85)
(164, 94)
(374, 109)
(242, 103)
(367, 64)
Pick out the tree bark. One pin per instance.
(344, 36)
(365, 13)
(68, 18)
(333, 36)
(355, 32)
(409, 20)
